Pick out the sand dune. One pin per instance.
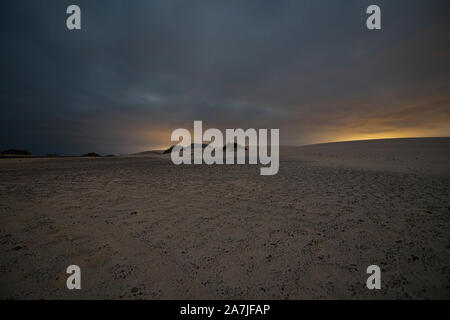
(141, 227)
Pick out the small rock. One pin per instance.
(414, 258)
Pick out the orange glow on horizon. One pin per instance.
(341, 135)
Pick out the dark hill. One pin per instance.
(91, 154)
(16, 152)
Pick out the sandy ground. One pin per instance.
(141, 227)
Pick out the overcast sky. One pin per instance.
(139, 69)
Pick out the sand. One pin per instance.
(141, 227)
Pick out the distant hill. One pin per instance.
(91, 154)
(234, 146)
(15, 152)
(430, 155)
(192, 148)
(168, 150)
(144, 153)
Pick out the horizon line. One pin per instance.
(49, 154)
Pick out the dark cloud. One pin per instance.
(139, 69)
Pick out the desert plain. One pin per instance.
(140, 227)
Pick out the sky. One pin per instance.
(137, 70)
